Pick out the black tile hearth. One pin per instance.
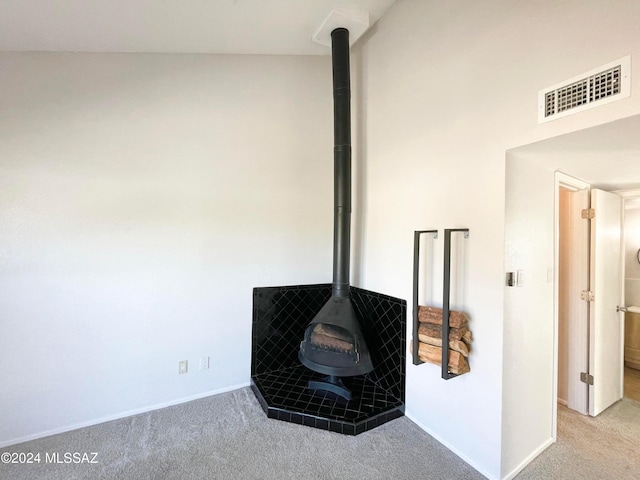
(280, 317)
(279, 381)
(383, 321)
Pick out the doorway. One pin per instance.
(606, 157)
(572, 264)
(632, 294)
(589, 290)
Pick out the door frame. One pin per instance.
(561, 180)
(576, 343)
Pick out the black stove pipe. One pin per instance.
(341, 161)
(338, 314)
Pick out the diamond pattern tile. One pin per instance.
(383, 320)
(280, 317)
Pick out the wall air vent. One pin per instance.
(591, 89)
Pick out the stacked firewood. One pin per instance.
(430, 338)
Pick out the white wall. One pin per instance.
(129, 218)
(528, 388)
(142, 197)
(447, 88)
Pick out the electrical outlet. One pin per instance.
(183, 367)
(204, 363)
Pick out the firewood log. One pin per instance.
(333, 332)
(463, 367)
(331, 337)
(330, 343)
(458, 364)
(434, 315)
(455, 345)
(435, 331)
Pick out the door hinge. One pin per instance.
(588, 213)
(587, 295)
(586, 378)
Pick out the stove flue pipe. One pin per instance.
(338, 314)
(341, 161)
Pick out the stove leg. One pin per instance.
(331, 383)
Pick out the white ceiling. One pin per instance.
(274, 27)
(606, 156)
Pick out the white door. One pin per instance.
(605, 323)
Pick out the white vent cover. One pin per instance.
(591, 89)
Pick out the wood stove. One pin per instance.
(331, 356)
(333, 343)
(280, 382)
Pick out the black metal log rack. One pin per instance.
(446, 291)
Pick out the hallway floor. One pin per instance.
(592, 448)
(632, 383)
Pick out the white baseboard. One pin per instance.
(510, 476)
(127, 413)
(450, 447)
(528, 460)
(562, 402)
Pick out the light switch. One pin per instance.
(511, 279)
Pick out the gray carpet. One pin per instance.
(228, 436)
(604, 447)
